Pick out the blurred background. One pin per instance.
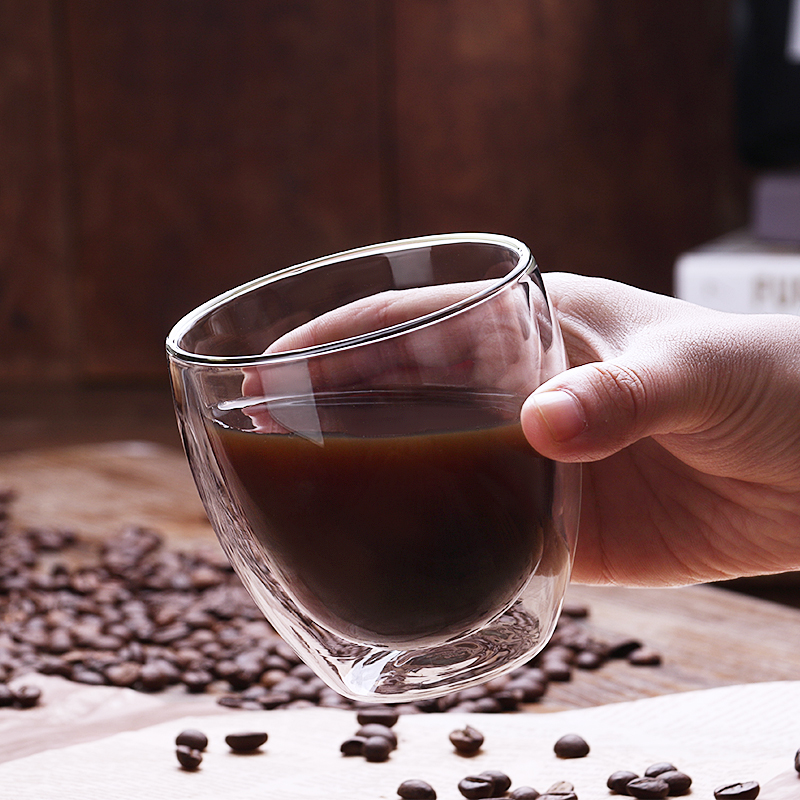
(154, 154)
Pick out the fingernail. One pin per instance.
(561, 412)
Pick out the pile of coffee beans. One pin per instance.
(132, 612)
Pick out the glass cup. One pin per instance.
(352, 424)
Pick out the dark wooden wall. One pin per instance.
(155, 153)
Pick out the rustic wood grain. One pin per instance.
(36, 308)
(599, 134)
(215, 142)
(155, 154)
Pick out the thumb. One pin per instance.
(594, 410)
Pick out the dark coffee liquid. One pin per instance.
(387, 535)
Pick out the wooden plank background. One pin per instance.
(153, 154)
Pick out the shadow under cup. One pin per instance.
(352, 425)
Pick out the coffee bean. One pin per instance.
(27, 696)
(377, 748)
(647, 788)
(747, 790)
(6, 695)
(797, 761)
(375, 729)
(474, 787)
(467, 740)
(530, 689)
(380, 715)
(557, 670)
(246, 741)
(575, 610)
(188, 757)
(571, 746)
(644, 657)
(125, 673)
(618, 781)
(414, 789)
(656, 769)
(196, 680)
(588, 659)
(622, 647)
(192, 738)
(678, 782)
(500, 781)
(561, 787)
(524, 793)
(354, 746)
(560, 790)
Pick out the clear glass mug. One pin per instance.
(352, 424)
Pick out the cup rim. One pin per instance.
(526, 264)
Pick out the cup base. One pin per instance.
(403, 675)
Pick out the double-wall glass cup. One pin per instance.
(353, 427)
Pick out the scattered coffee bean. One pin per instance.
(575, 610)
(474, 787)
(623, 647)
(414, 789)
(747, 790)
(26, 696)
(6, 695)
(380, 715)
(354, 746)
(618, 781)
(571, 746)
(588, 659)
(647, 788)
(797, 761)
(500, 781)
(656, 769)
(644, 657)
(246, 741)
(524, 793)
(467, 741)
(679, 782)
(561, 787)
(560, 790)
(188, 757)
(193, 738)
(376, 748)
(557, 670)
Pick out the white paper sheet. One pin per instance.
(717, 736)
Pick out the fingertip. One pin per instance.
(551, 419)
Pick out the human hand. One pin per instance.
(688, 419)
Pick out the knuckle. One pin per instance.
(624, 387)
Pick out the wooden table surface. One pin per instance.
(707, 636)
